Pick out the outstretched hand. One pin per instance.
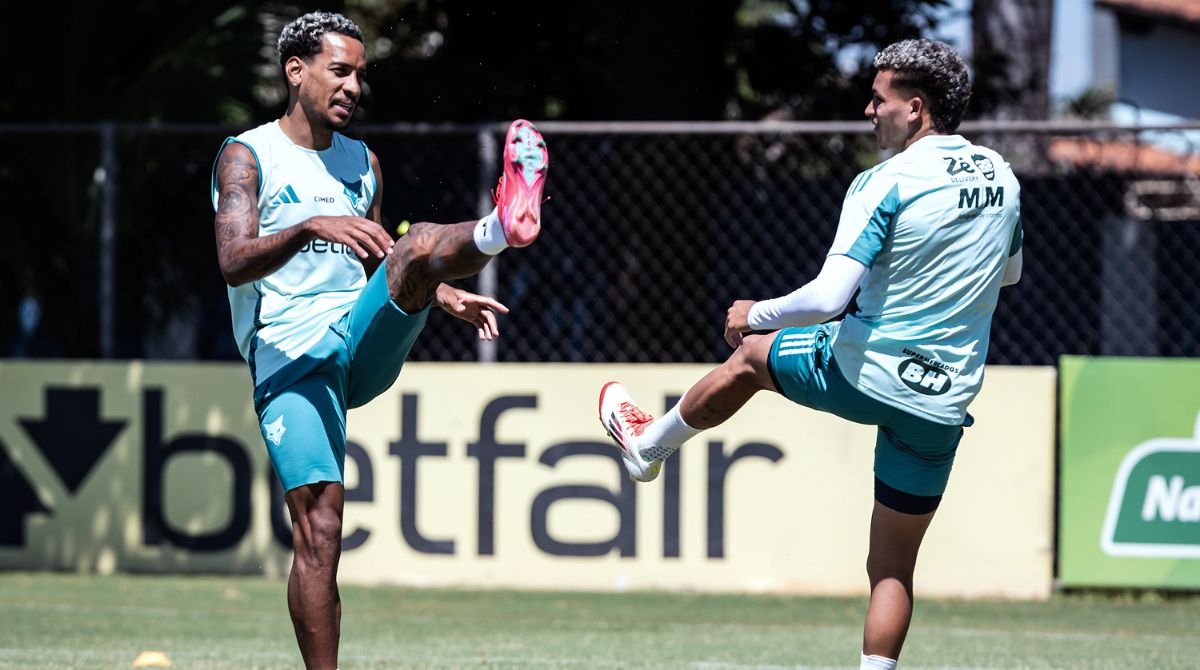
(477, 310)
(737, 322)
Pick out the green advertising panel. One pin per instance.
(1129, 509)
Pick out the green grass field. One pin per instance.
(69, 621)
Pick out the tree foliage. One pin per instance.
(470, 60)
(431, 60)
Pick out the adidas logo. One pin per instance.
(286, 197)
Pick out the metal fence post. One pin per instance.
(107, 178)
(1128, 295)
(487, 351)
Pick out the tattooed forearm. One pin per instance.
(243, 255)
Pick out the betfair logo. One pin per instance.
(1154, 508)
(286, 197)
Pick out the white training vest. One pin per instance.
(281, 316)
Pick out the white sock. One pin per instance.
(666, 434)
(489, 235)
(876, 663)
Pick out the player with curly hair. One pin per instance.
(928, 238)
(325, 306)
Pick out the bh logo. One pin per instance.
(924, 378)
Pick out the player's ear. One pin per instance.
(916, 105)
(292, 69)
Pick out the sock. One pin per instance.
(876, 663)
(666, 434)
(489, 235)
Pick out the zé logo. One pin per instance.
(985, 166)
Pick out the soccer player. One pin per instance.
(928, 236)
(325, 306)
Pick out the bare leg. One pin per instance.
(313, 599)
(895, 539)
(726, 388)
(428, 255)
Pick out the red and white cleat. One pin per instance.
(518, 196)
(624, 422)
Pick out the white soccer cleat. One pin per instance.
(624, 422)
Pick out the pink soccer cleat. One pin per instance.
(518, 196)
(624, 422)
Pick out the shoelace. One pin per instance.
(632, 415)
(496, 191)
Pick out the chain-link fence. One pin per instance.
(651, 230)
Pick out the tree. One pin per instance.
(431, 60)
(812, 60)
(1011, 59)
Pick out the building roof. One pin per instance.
(1187, 11)
(1124, 156)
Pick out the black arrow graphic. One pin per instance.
(18, 498)
(72, 437)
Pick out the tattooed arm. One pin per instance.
(243, 255)
(246, 257)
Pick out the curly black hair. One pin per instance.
(302, 37)
(933, 68)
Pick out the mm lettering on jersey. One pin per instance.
(924, 378)
(970, 197)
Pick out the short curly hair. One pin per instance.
(302, 37)
(933, 68)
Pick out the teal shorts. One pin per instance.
(302, 407)
(913, 456)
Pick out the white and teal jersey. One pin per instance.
(936, 225)
(279, 317)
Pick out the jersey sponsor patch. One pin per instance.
(925, 375)
(985, 166)
(922, 378)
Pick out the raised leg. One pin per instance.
(895, 539)
(645, 443)
(313, 600)
(428, 255)
(726, 388)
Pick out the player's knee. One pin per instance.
(884, 565)
(749, 360)
(322, 539)
(738, 367)
(420, 231)
(416, 247)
